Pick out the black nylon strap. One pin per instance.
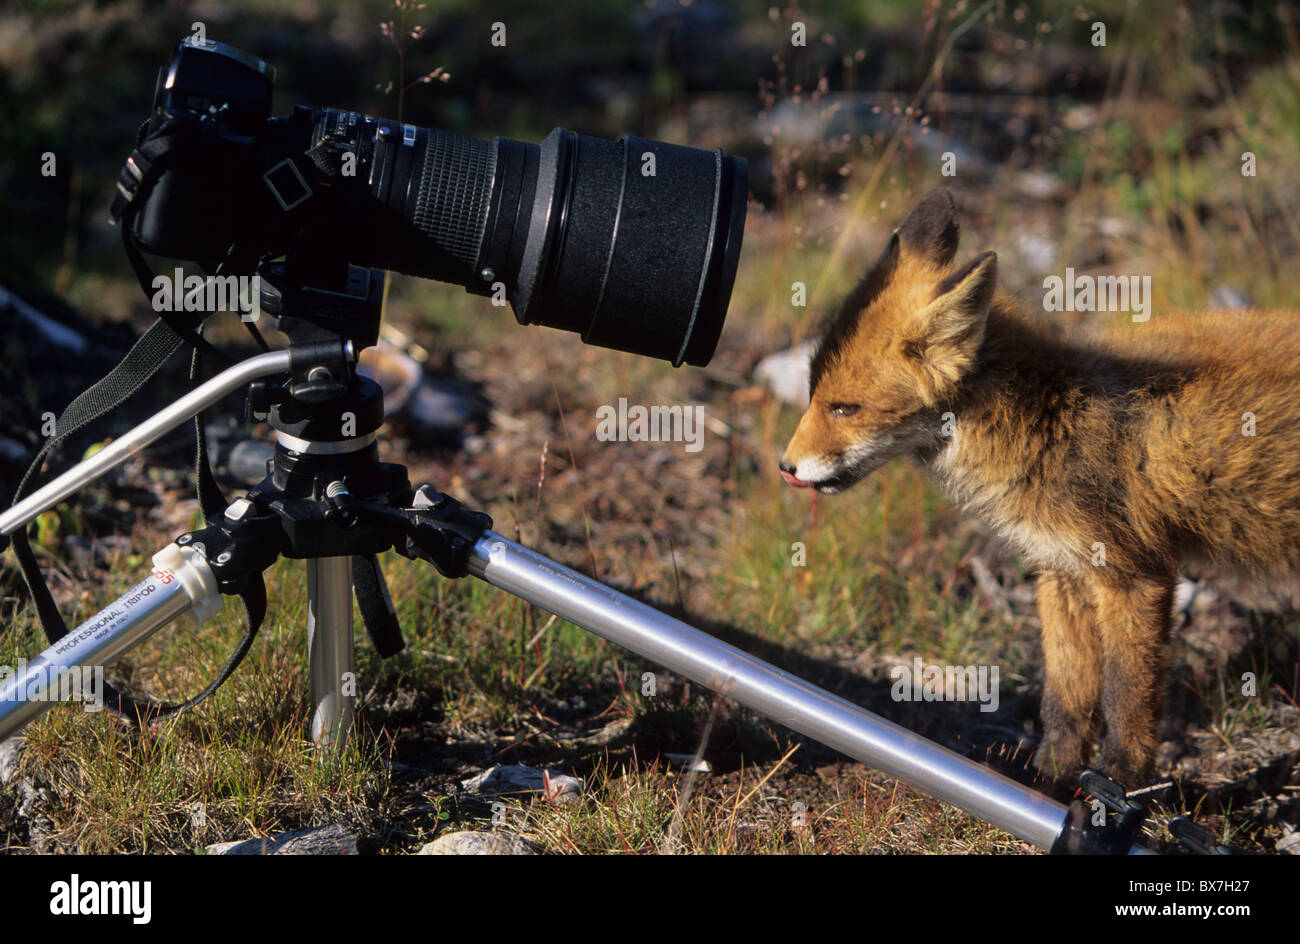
(212, 500)
(144, 359)
(253, 597)
(376, 605)
(141, 363)
(174, 320)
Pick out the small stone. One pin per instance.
(688, 762)
(520, 779)
(1038, 251)
(607, 735)
(11, 752)
(1289, 844)
(334, 839)
(470, 842)
(1039, 185)
(1111, 226)
(1228, 296)
(786, 372)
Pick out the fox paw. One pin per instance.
(1130, 768)
(1060, 759)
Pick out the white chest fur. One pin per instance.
(1005, 506)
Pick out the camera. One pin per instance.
(633, 243)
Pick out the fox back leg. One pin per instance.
(1072, 653)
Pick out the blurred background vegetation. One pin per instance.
(1160, 114)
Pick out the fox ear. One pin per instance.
(943, 338)
(931, 230)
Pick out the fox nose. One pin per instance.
(787, 473)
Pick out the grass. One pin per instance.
(631, 810)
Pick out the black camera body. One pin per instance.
(632, 243)
(215, 102)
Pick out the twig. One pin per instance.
(669, 845)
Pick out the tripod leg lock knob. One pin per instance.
(1106, 827)
(191, 569)
(443, 531)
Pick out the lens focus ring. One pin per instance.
(451, 206)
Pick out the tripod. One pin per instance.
(328, 500)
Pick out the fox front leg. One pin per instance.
(1135, 617)
(1072, 650)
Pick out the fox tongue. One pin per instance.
(791, 480)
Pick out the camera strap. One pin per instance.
(145, 164)
(146, 357)
(154, 348)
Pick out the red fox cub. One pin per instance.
(1107, 466)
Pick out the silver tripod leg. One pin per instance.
(329, 650)
(131, 442)
(180, 583)
(768, 690)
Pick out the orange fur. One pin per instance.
(1135, 446)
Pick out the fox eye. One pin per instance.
(844, 409)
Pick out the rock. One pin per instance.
(334, 839)
(441, 408)
(1039, 185)
(1227, 296)
(470, 842)
(1040, 253)
(437, 407)
(609, 734)
(520, 779)
(50, 330)
(1289, 844)
(11, 752)
(31, 800)
(1022, 596)
(687, 762)
(11, 450)
(96, 553)
(1111, 226)
(1082, 118)
(786, 373)
(1184, 593)
(57, 350)
(235, 457)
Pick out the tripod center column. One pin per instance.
(329, 650)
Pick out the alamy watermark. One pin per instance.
(211, 293)
(921, 682)
(52, 682)
(636, 423)
(76, 896)
(1130, 293)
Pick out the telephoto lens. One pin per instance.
(631, 243)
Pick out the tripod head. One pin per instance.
(326, 494)
(309, 301)
(328, 322)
